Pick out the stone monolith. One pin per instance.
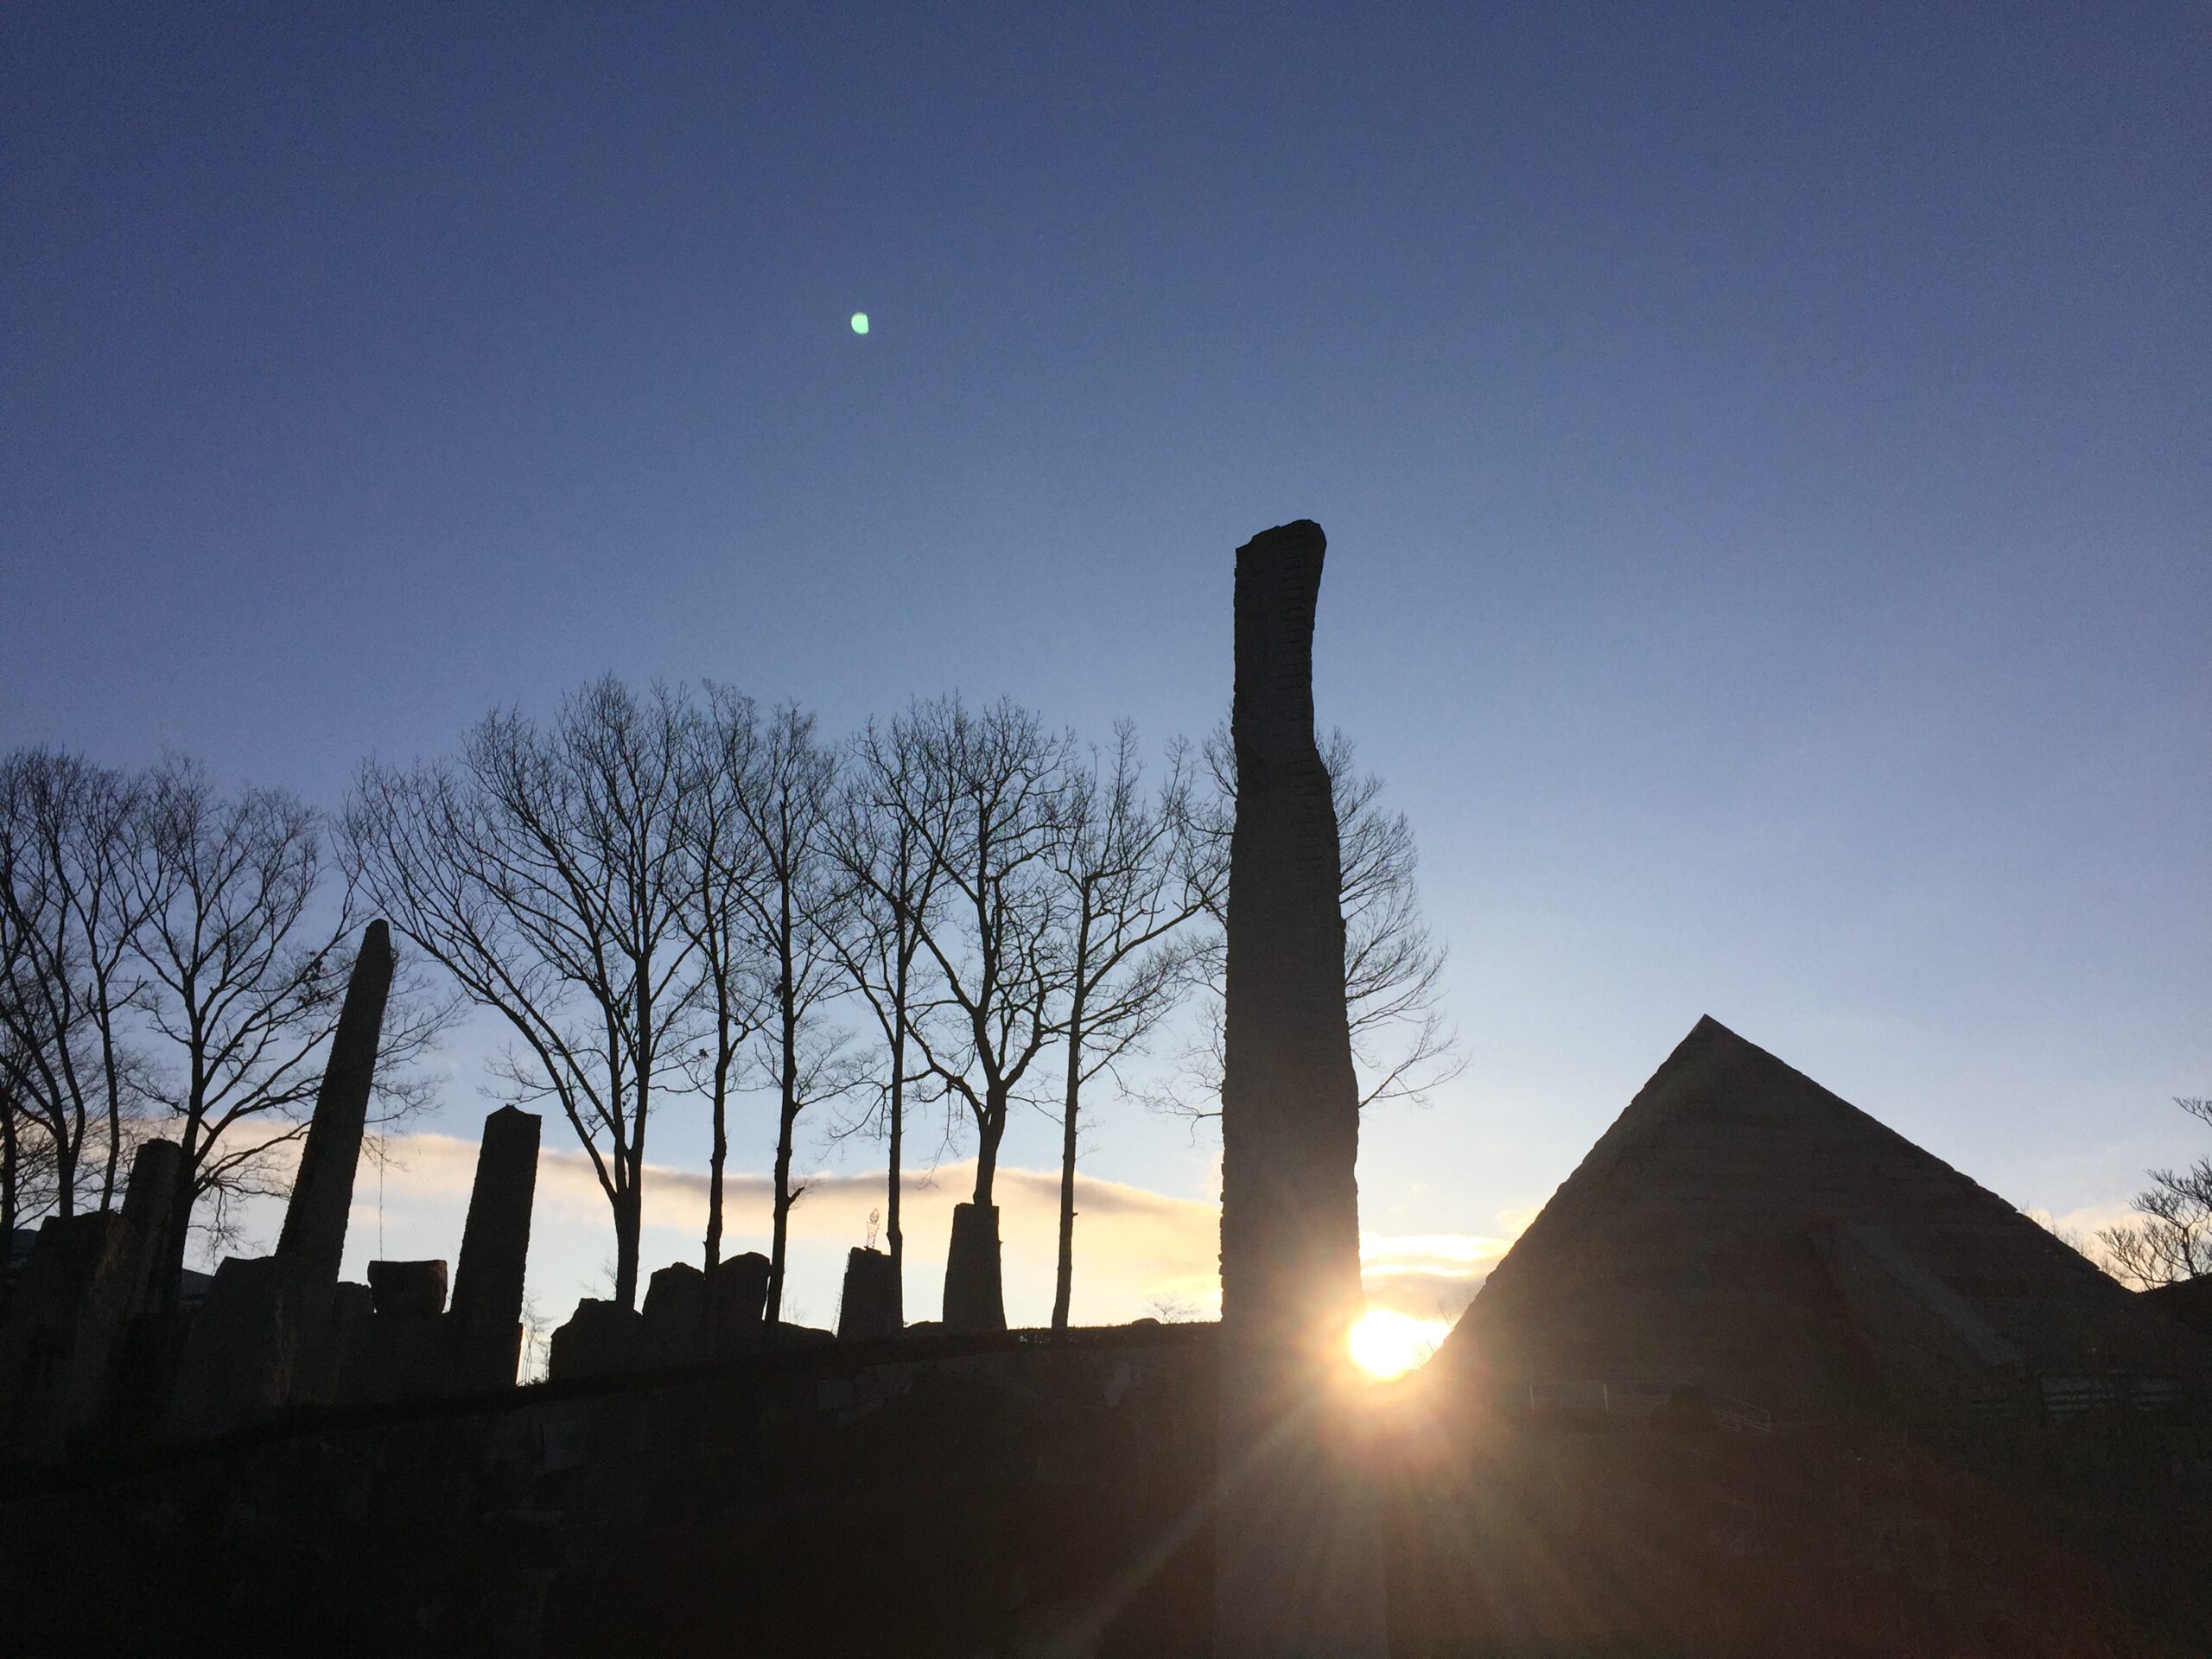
(741, 1291)
(675, 1331)
(488, 1289)
(974, 1298)
(1298, 1562)
(66, 1347)
(868, 1310)
(322, 1195)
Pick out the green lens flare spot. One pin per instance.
(859, 322)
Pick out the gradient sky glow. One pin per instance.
(1766, 453)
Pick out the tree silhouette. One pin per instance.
(893, 882)
(1133, 872)
(544, 871)
(2173, 1239)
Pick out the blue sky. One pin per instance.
(1764, 452)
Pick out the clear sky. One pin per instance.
(1766, 453)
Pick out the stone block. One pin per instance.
(262, 1314)
(868, 1311)
(487, 1290)
(394, 1357)
(675, 1315)
(740, 1297)
(402, 1287)
(973, 1300)
(323, 1193)
(600, 1339)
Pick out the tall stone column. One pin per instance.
(261, 1339)
(486, 1317)
(314, 1221)
(1298, 1555)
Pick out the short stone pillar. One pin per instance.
(403, 1350)
(152, 1337)
(675, 1331)
(868, 1312)
(487, 1290)
(741, 1301)
(262, 1318)
(69, 1350)
(974, 1299)
(600, 1339)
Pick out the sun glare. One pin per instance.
(1385, 1342)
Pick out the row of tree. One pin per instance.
(667, 900)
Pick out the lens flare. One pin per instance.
(1385, 1342)
(859, 322)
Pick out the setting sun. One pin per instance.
(1385, 1342)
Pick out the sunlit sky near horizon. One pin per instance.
(1764, 453)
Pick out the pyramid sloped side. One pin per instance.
(1685, 1250)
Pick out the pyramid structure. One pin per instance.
(1742, 1232)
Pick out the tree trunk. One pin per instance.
(774, 1310)
(7, 1176)
(991, 1129)
(110, 1069)
(65, 1178)
(628, 1210)
(708, 1337)
(1064, 1279)
(894, 1241)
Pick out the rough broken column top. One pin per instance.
(1278, 586)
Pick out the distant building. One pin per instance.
(1745, 1245)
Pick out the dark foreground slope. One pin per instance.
(997, 1496)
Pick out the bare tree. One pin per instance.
(27, 1174)
(2173, 1241)
(1133, 872)
(1402, 1045)
(72, 898)
(723, 869)
(247, 956)
(892, 881)
(993, 944)
(785, 793)
(543, 871)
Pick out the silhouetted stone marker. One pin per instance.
(600, 1339)
(487, 1288)
(42, 1366)
(151, 1334)
(1298, 1555)
(66, 1346)
(333, 1366)
(322, 1195)
(416, 1288)
(740, 1299)
(404, 1348)
(973, 1300)
(261, 1316)
(675, 1315)
(869, 1308)
(263, 1333)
